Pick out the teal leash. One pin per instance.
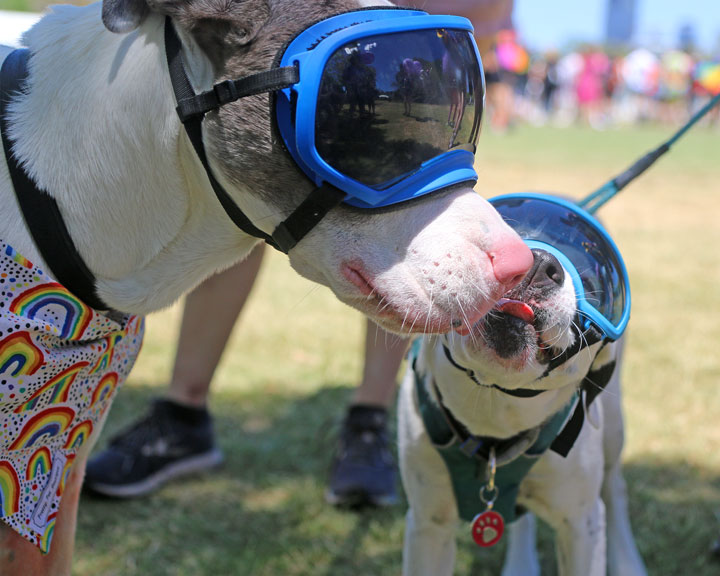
(595, 200)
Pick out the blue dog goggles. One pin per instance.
(388, 105)
(585, 250)
(376, 106)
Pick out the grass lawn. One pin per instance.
(295, 358)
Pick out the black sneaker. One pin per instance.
(363, 469)
(171, 441)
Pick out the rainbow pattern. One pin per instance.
(78, 435)
(106, 357)
(31, 302)
(43, 541)
(59, 387)
(9, 490)
(135, 325)
(50, 423)
(65, 473)
(40, 463)
(19, 355)
(105, 388)
(17, 257)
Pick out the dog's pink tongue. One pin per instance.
(516, 308)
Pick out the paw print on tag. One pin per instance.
(488, 528)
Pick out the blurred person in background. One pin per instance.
(489, 19)
(590, 87)
(512, 65)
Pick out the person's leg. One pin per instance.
(363, 469)
(209, 315)
(176, 437)
(383, 354)
(20, 557)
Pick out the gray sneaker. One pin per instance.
(363, 469)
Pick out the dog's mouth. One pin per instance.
(517, 328)
(389, 315)
(517, 309)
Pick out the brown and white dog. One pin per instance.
(97, 129)
(476, 378)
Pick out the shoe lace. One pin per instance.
(134, 437)
(365, 445)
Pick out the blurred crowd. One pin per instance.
(592, 86)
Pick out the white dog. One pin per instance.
(492, 391)
(96, 129)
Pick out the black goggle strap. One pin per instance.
(231, 90)
(192, 108)
(583, 339)
(594, 382)
(306, 216)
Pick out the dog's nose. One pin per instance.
(546, 270)
(511, 262)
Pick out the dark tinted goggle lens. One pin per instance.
(388, 103)
(595, 259)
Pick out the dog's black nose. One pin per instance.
(546, 270)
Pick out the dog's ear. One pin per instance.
(220, 27)
(123, 16)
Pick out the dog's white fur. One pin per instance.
(582, 496)
(137, 203)
(98, 131)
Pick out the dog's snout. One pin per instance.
(546, 270)
(511, 262)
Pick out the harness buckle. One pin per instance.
(225, 92)
(470, 446)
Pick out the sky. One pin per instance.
(545, 24)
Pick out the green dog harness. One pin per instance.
(467, 456)
(467, 459)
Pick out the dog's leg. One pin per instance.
(565, 492)
(623, 556)
(521, 557)
(580, 543)
(19, 557)
(429, 548)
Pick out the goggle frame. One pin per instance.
(587, 310)
(295, 107)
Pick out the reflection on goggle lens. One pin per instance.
(594, 257)
(389, 103)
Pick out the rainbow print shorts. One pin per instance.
(60, 366)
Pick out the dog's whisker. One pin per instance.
(417, 315)
(402, 326)
(383, 305)
(377, 332)
(429, 312)
(466, 320)
(304, 297)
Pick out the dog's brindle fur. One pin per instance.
(582, 497)
(98, 131)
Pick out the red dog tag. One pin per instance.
(488, 528)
